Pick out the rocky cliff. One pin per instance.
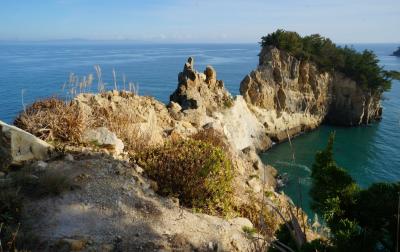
(289, 96)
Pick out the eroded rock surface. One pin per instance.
(289, 96)
(351, 105)
(18, 146)
(200, 90)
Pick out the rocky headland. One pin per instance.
(397, 52)
(115, 203)
(290, 96)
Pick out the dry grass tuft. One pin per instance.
(53, 120)
(124, 124)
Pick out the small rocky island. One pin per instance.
(397, 52)
(116, 171)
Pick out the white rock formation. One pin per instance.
(241, 127)
(18, 146)
(105, 138)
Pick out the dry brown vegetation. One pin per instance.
(263, 218)
(124, 124)
(53, 120)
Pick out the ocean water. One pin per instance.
(39, 70)
(370, 153)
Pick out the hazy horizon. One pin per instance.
(193, 21)
(79, 41)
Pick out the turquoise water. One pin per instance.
(370, 153)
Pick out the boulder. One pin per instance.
(211, 75)
(18, 146)
(175, 110)
(104, 138)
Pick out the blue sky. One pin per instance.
(345, 21)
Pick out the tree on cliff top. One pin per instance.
(362, 67)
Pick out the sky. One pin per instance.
(191, 21)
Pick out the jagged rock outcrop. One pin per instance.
(200, 91)
(201, 99)
(290, 96)
(18, 146)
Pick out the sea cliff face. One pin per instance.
(289, 96)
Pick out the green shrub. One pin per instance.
(198, 173)
(212, 137)
(361, 67)
(249, 230)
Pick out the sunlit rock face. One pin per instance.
(201, 91)
(290, 96)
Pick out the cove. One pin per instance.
(369, 153)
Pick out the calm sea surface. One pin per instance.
(370, 153)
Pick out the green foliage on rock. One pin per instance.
(196, 172)
(361, 67)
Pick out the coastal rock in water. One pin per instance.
(397, 52)
(18, 146)
(105, 138)
(200, 90)
(290, 96)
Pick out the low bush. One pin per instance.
(198, 173)
(212, 137)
